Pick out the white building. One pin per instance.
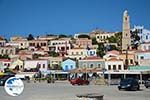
(42, 64)
(143, 33)
(5, 62)
(143, 58)
(145, 46)
(16, 63)
(80, 53)
(7, 50)
(2, 43)
(102, 36)
(60, 46)
(114, 64)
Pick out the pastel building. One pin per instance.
(80, 52)
(145, 46)
(91, 62)
(143, 58)
(17, 63)
(102, 36)
(2, 43)
(60, 46)
(84, 42)
(54, 62)
(68, 64)
(42, 64)
(7, 50)
(116, 56)
(22, 43)
(143, 33)
(5, 62)
(35, 44)
(114, 64)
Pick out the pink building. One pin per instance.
(84, 42)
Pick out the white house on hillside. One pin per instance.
(42, 64)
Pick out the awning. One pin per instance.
(86, 70)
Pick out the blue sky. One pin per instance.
(21, 17)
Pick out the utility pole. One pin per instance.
(126, 60)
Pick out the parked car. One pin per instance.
(129, 84)
(3, 79)
(79, 81)
(147, 83)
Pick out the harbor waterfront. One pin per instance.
(74, 50)
(63, 90)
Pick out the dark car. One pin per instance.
(147, 83)
(4, 78)
(79, 81)
(129, 84)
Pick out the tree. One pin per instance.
(135, 39)
(117, 38)
(5, 56)
(36, 56)
(101, 50)
(30, 37)
(62, 36)
(84, 36)
(53, 54)
(94, 41)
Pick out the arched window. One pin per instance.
(99, 65)
(2, 51)
(91, 65)
(6, 52)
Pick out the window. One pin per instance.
(33, 44)
(21, 66)
(146, 37)
(99, 65)
(44, 44)
(30, 44)
(67, 48)
(43, 65)
(91, 65)
(71, 67)
(91, 53)
(84, 65)
(72, 53)
(131, 61)
(101, 37)
(77, 53)
(109, 67)
(39, 65)
(6, 52)
(81, 53)
(104, 37)
(11, 51)
(98, 37)
(2, 51)
(142, 57)
(114, 67)
(119, 67)
(144, 47)
(66, 67)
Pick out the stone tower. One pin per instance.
(126, 38)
